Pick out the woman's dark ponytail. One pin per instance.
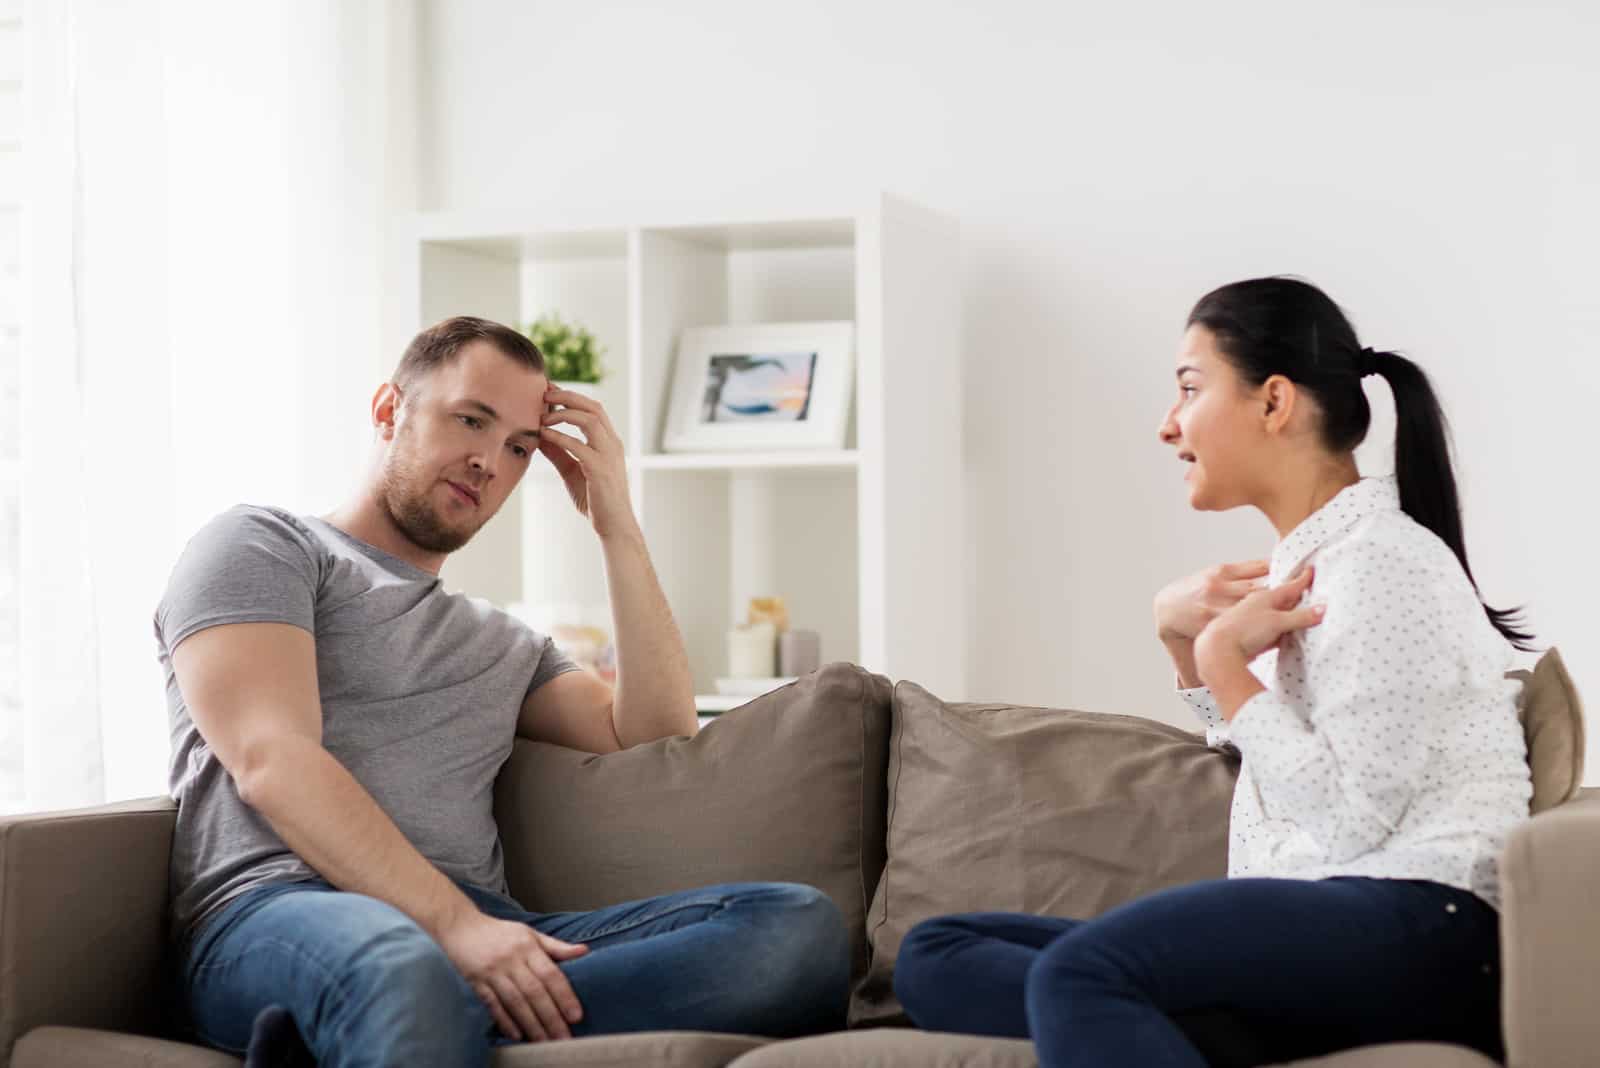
(1283, 326)
(1427, 479)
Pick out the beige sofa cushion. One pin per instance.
(679, 1049)
(897, 1048)
(1400, 1055)
(77, 1047)
(788, 788)
(1552, 722)
(893, 1047)
(83, 1047)
(996, 807)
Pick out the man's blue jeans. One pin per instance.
(1254, 971)
(368, 987)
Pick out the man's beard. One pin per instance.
(404, 493)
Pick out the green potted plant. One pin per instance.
(571, 353)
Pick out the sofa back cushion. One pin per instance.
(998, 807)
(788, 788)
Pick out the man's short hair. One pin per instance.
(442, 342)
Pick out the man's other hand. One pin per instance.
(595, 471)
(513, 969)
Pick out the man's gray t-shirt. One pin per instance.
(420, 694)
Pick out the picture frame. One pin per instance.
(759, 387)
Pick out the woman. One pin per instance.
(1363, 681)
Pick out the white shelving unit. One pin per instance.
(865, 543)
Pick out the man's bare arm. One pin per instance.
(655, 691)
(251, 689)
(581, 712)
(654, 695)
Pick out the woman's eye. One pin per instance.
(1186, 390)
(521, 453)
(469, 420)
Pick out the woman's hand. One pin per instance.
(1185, 607)
(1260, 621)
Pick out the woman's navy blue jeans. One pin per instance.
(1279, 968)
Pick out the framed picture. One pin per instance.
(772, 386)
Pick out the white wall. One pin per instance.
(1433, 165)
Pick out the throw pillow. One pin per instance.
(788, 788)
(1552, 723)
(998, 807)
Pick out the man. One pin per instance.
(338, 721)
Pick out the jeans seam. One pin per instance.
(717, 904)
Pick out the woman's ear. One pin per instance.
(1278, 395)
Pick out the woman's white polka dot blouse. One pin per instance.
(1386, 743)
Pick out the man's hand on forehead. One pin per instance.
(590, 459)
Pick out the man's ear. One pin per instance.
(386, 409)
(1278, 395)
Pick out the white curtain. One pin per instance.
(208, 203)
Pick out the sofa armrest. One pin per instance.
(1550, 937)
(83, 902)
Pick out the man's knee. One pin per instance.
(400, 979)
(808, 926)
(811, 911)
(802, 944)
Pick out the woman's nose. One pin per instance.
(1168, 430)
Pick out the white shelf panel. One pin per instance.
(770, 236)
(554, 245)
(578, 233)
(741, 461)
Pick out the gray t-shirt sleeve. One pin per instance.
(248, 565)
(552, 662)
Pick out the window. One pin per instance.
(10, 388)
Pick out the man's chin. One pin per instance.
(428, 531)
(443, 539)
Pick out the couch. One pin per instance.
(895, 803)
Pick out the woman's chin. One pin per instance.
(1203, 501)
(1199, 500)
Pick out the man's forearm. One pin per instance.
(322, 813)
(654, 691)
